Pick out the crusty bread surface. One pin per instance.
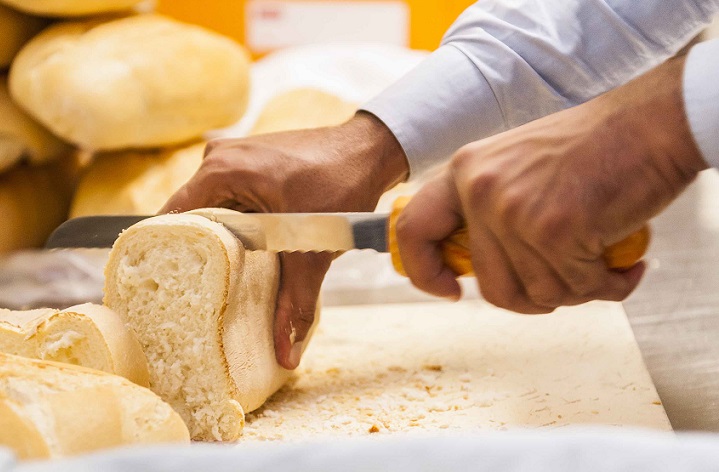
(142, 81)
(21, 137)
(302, 108)
(50, 409)
(88, 335)
(62, 8)
(134, 182)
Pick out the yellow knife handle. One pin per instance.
(455, 249)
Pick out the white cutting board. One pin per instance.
(443, 367)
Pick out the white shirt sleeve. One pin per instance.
(701, 98)
(507, 62)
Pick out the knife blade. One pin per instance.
(290, 232)
(317, 232)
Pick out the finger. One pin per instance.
(618, 285)
(198, 192)
(300, 282)
(497, 278)
(429, 218)
(541, 283)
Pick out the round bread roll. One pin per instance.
(70, 7)
(16, 29)
(140, 81)
(134, 183)
(21, 136)
(301, 109)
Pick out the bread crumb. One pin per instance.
(656, 402)
(374, 429)
(433, 367)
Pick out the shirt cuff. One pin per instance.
(442, 104)
(701, 98)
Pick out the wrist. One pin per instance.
(378, 148)
(654, 104)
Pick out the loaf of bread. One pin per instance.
(134, 182)
(70, 7)
(21, 137)
(33, 202)
(203, 309)
(50, 410)
(88, 335)
(139, 81)
(16, 29)
(301, 109)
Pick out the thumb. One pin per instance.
(430, 217)
(300, 283)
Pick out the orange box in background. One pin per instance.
(267, 25)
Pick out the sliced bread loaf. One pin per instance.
(89, 335)
(203, 308)
(49, 409)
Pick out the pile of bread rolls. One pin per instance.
(96, 82)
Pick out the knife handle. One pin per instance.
(456, 254)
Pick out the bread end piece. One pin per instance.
(57, 410)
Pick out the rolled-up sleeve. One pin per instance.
(507, 62)
(701, 98)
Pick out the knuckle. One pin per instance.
(212, 146)
(546, 295)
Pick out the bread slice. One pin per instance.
(89, 335)
(203, 308)
(49, 409)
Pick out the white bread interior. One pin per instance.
(203, 308)
(49, 410)
(134, 182)
(21, 137)
(88, 335)
(302, 108)
(16, 29)
(62, 8)
(135, 82)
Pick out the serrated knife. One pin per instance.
(314, 232)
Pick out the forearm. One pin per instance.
(507, 63)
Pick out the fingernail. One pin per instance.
(296, 354)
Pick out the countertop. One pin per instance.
(675, 310)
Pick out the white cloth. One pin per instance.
(701, 98)
(606, 451)
(507, 62)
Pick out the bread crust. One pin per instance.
(58, 410)
(36, 331)
(62, 8)
(142, 81)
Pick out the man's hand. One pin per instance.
(543, 201)
(343, 168)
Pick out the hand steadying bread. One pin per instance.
(49, 410)
(202, 307)
(88, 335)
